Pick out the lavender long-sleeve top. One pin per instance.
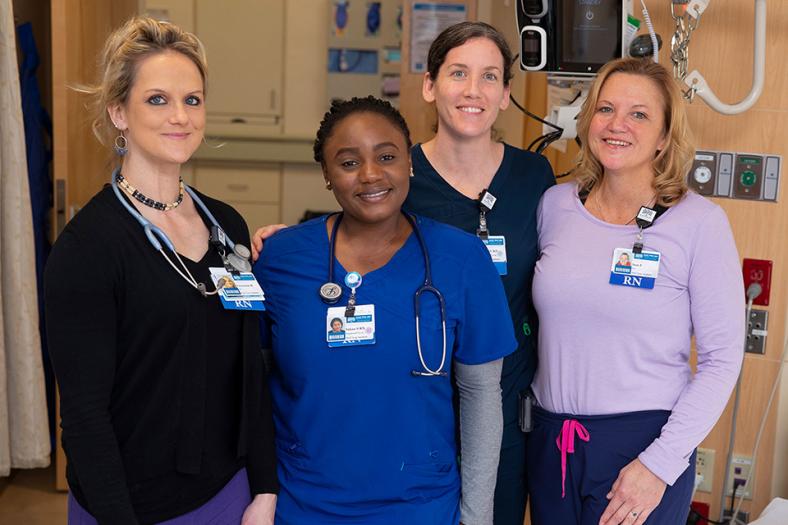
(607, 349)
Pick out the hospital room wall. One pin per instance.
(722, 49)
(724, 38)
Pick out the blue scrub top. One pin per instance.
(360, 439)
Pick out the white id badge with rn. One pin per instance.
(496, 245)
(356, 330)
(240, 291)
(637, 270)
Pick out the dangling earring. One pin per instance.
(121, 145)
(411, 172)
(329, 187)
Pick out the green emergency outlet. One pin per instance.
(748, 178)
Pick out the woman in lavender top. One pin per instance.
(619, 410)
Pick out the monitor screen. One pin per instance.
(590, 31)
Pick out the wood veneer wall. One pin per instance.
(79, 28)
(722, 50)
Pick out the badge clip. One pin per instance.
(638, 246)
(486, 203)
(352, 281)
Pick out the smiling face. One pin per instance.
(163, 117)
(336, 325)
(366, 160)
(628, 125)
(468, 90)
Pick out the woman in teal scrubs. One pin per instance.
(365, 428)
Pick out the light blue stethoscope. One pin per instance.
(330, 293)
(237, 261)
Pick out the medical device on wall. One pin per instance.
(686, 15)
(570, 37)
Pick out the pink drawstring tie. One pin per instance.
(566, 444)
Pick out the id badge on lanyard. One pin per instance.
(636, 267)
(351, 325)
(240, 291)
(495, 244)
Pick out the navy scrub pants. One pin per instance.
(611, 442)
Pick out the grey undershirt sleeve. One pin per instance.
(481, 429)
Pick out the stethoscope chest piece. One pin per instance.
(237, 261)
(330, 292)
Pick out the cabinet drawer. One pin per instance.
(239, 184)
(257, 215)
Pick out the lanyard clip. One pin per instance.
(217, 239)
(645, 217)
(486, 203)
(481, 231)
(638, 246)
(350, 309)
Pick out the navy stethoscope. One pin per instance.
(331, 292)
(237, 261)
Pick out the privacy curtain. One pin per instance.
(24, 433)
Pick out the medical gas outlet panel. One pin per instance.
(750, 176)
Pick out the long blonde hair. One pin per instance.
(673, 162)
(138, 38)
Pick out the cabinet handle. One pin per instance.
(238, 187)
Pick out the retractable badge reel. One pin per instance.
(495, 244)
(644, 219)
(352, 281)
(486, 203)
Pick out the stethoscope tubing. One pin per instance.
(156, 235)
(426, 286)
(151, 230)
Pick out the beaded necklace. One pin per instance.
(147, 201)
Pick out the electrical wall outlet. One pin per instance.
(758, 271)
(701, 515)
(757, 330)
(704, 469)
(740, 469)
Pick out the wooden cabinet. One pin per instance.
(254, 190)
(244, 41)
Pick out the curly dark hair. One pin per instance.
(344, 108)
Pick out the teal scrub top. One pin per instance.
(359, 438)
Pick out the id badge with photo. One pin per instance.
(636, 270)
(356, 330)
(240, 291)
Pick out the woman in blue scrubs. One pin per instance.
(365, 428)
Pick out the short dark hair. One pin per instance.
(344, 108)
(457, 35)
